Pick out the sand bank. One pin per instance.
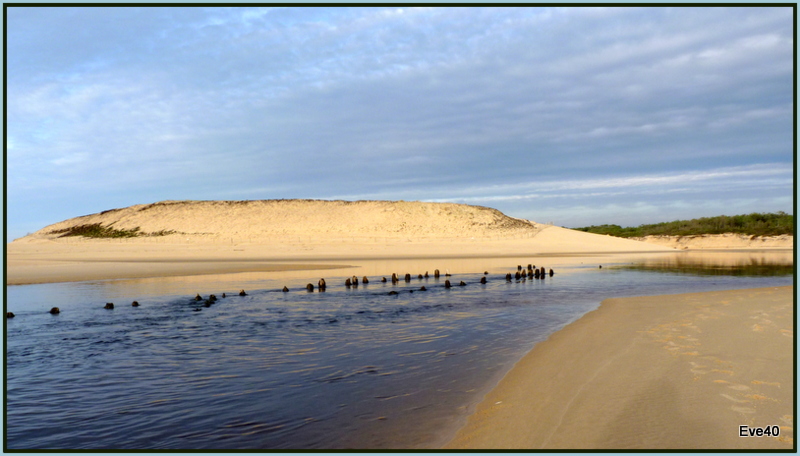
(662, 372)
(721, 241)
(94, 260)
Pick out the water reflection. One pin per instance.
(744, 264)
(298, 275)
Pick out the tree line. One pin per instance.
(755, 224)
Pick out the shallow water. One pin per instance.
(347, 368)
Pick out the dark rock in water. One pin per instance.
(223, 295)
(419, 276)
(365, 280)
(483, 279)
(394, 278)
(310, 288)
(392, 293)
(517, 275)
(347, 283)
(530, 266)
(197, 310)
(426, 274)
(9, 314)
(109, 305)
(383, 279)
(447, 284)
(198, 298)
(135, 304)
(508, 277)
(485, 272)
(355, 281)
(436, 274)
(322, 285)
(285, 289)
(462, 284)
(208, 303)
(408, 277)
(242, 293)
(212, 298)
(519, 267)
(551, 273)
(55, 310)
(601, 267)
(422, 288)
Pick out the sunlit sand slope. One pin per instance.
(269, 219)
(197, 237)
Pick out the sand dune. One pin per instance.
(269, 219)
(335, 228)
(235, 236)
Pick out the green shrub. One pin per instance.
(96, 230)
(755, 224)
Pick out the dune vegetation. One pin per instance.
(96, 230)
(755, 224)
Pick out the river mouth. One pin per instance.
(357, 367)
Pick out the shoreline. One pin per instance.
(50, 262)
(643, 375)
(79, 270)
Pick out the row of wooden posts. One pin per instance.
(531, 272)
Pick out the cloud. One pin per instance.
(416, 103)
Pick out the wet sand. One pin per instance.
(662, 372)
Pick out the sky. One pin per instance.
(574, 116)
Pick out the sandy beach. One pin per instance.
(660, 372)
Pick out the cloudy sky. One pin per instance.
(571, 115)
